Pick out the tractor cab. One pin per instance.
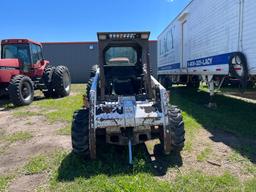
(28, 53)
(124, 65)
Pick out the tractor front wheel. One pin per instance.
(80, 133)
(21, 90)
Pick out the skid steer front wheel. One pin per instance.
(80, 133)
(175, 139)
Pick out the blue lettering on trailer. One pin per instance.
(169, 67)
(213, 60)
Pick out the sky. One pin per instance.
(80, 20)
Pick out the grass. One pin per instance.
(61, 109)
(4, 180)
(110, 171)
(71, 174)
(203, 155)
(191, 127)
(36, 165)
(232, 117)
(18, 136)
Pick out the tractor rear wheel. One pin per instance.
(176, 129)
(61, 81)
(47, 79)
(80, 133)
(21, 90)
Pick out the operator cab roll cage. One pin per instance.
(137, 40)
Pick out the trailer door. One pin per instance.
(184, 45)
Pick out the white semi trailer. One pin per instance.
(209, 40)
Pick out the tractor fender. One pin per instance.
(7, 74)
(8, 69)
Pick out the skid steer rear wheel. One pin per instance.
(176, 129)
(61, 82)
(21, 90)
(80, 133)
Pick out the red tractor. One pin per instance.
(23, 70)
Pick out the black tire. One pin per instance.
(61, 81)
(88, 88)
(176, 127)
(93, 70)
(80, 133)
(21, 90)
(47, 80)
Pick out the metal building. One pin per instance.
(80, 56)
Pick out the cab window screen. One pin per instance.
(121, 56)
(17, 51)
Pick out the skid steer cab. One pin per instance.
(124, 102)
(23, 70)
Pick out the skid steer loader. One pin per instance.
(124, 102)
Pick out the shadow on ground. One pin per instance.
(233, 122)
(6, 105)
(113, 160)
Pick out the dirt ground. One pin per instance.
(46, 140)
(14, 157)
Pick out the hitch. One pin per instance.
(130, 150)
(129, 134)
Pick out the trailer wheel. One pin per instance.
(21, 90)
(176, 128)
(61, 81)
(47, 79)
(80, 133)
